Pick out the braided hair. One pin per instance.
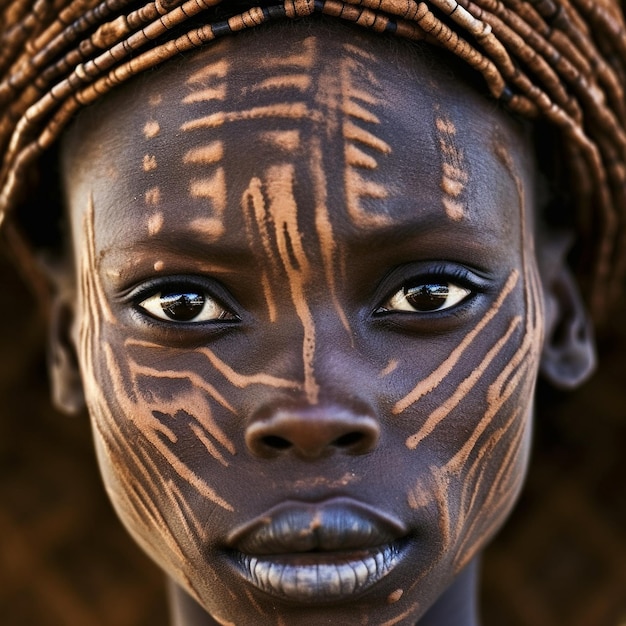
(559, 62)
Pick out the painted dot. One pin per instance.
(159, 266)
(155, 223)
(394, 596)
(153, 196)
(155, 99)
(454, 210)
(149, 162)
(151, 129)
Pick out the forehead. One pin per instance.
(383, 121)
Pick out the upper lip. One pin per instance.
(339, 524)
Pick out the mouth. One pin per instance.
(316, 552)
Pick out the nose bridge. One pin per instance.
(338, 355)
(311, 341)
(340, 416)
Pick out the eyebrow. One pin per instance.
(430, 232)
(428, 227)
(426, 222)
(181, 243)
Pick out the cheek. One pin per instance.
(150, 425)
(471, 418)
(166, 463)
(157, 422)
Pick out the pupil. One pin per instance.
(182, 307)
(428, 297)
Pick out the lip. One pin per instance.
(323, 551)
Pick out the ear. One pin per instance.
(569, 351)
(63, 369)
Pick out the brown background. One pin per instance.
(65, 560)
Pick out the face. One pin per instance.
(308, 322)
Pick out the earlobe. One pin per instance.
(63, 368)
(569, 353)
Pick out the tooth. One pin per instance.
(274, 575)
(361, 572)
(307, 580)
(258, 573)
(252, 563)
(329, 579)
(263, 571)
(288, 582)
(347, 577)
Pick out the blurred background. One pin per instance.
(66, 561)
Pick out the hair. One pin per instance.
(560, 63)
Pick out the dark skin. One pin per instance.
(307, 312)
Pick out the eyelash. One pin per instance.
(408, 278)
(180, 285)
(402, 278)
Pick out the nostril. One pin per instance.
(311, 432)
(348, 440)
(278, 443)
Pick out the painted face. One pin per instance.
(308, 322)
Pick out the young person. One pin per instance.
(310, 274)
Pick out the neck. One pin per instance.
(184, 610)
(457, 605)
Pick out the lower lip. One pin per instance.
(318, 577)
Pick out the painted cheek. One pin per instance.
(138, 431)
(473, 413)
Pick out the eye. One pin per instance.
(185, 305)
(427, 296)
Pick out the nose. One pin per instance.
(312, 432)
